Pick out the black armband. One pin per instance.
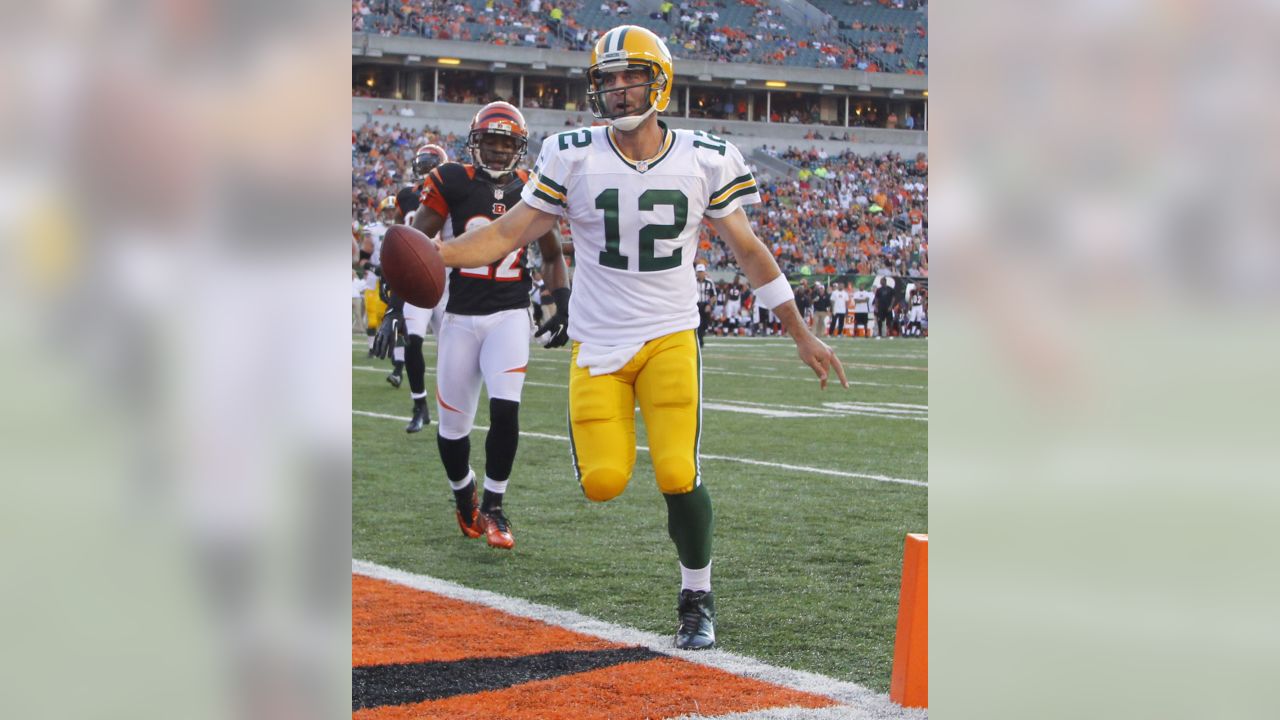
(561, 297)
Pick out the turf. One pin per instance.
(807, 566)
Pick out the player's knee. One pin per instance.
(504, 415)
(675, 475)
(454, 425)
(604, 482)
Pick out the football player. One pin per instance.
(370, 258)
(484, 334)
(418, 320)
(635, 192)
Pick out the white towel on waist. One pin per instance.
(604, 359)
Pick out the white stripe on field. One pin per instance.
(859, 702)
(704, 456)
(730, 405)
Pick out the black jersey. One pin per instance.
(468, 199)
(884, 299)
(802, 299)
(407, 199)
(734, 293)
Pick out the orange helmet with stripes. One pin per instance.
(624, 47)
(428, 158)
(504, 120)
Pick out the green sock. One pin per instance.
(689, 523)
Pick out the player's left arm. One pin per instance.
(761, 269)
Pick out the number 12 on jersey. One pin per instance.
(612, 255)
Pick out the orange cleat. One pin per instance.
(496, 529)
(470, 523)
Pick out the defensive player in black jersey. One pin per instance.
(417, 320)
(485, 331)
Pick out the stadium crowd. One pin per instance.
(841, 215)
(693, 30)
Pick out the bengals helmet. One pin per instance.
(630, 46)
(428, 158)
(497, 118)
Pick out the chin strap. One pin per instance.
(631, 122)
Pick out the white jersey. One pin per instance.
(635, 226)
(376, 230)
(861, 301)
(839, 302)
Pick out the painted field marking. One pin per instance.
(859, 702)
(775, 410)
(704, 456)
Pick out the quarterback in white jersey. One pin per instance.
(635, 192)
(635, 225)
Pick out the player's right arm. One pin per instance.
(428, 221)
(520, 226)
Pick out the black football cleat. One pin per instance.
(421, 416)
(697, 611)
(394, 380)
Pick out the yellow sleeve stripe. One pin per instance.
(548, 190)
(725, 193)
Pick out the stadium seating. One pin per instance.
(774, 45)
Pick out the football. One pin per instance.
(412, 266)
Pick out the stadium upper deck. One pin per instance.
(881, 37)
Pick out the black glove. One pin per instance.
(385, 340)
(555, 332)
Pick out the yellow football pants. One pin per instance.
(374, 309)
(665, 377)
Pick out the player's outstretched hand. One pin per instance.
(819, 356)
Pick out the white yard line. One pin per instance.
(858, 702)
(827, 409)
(704, 456)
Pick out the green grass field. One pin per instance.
(807, 564)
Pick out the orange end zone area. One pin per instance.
(393, 624)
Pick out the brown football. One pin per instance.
(412, 266)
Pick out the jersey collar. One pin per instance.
(642, 166)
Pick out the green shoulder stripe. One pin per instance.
(748, 190)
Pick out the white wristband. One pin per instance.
(775, 292)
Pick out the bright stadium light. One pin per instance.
(739, 81)
(449, 61)
(539, 66)
(413, 59)
(775, 84)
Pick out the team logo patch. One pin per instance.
(499, 208)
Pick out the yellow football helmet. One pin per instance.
(627, 46)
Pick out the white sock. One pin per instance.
(370, 342)
(397, 354)
(495, 486)
(471, 476)
(695, 580)
(418, 396)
